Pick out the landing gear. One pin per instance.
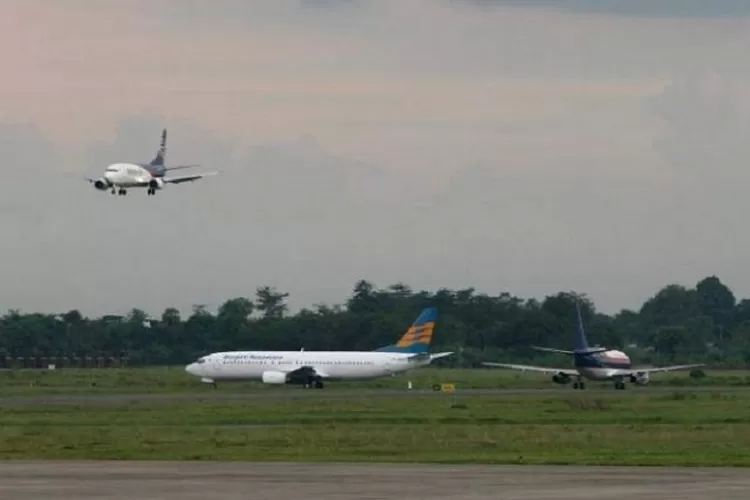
(151, 191)
(313, 382)
(120, 192)
(579, 384)
(620, 385)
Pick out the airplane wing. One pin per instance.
(540, 369)
(657, 369)
(187, 178)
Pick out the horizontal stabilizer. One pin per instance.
(549, 349)
(188, 178)
(180, 167)
(439, 355)
(589, 350)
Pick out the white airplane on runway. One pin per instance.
(118, 177)
(313, 368)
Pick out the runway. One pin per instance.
(325, 394)
(230, 481)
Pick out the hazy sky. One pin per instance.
(519, 146)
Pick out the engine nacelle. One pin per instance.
(156, 183)
(274, 378)
(101, 184)
(561, 378)
(640, 379)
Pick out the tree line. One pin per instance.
(705, 323)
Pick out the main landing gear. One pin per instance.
(619, 385)
(120, 191)
(312, 382)
(579, 384)
(151, 191)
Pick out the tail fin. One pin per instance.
(580, 344)
(418, 337)
(158, 161)
(579, 340)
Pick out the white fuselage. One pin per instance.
(124, 175)
(331, 365)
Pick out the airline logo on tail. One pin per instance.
(419, 335)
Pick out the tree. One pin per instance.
(715, 300)
(363, 299)
(678, 324)
(271, 302)
(171, 316)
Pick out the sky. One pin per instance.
(509, 146)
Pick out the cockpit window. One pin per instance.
(112, 169)
(201, 361)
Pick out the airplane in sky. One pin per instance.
(314, 368)
(118, 177)
(594, 363)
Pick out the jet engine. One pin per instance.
(561, 378)
(101, 184)
(274, 378)
(640, 378)
(155, 184)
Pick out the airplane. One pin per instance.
(118, 177)
(314, 368)
(594, 363)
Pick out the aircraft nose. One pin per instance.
(192, 369)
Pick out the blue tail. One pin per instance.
(418, 337)
(579, 340)
(158, 161)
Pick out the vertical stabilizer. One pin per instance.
(579, 340)
(419, 335)
(158, 161)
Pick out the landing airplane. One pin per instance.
(118, 177)
(594, 363)
(311, 368)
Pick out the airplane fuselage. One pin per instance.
(601, 366)
(119, 177)
(127, 175)
(333, 365)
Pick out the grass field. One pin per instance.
(175, 380)
(661, 428)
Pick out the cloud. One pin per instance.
(707, 118)
(634, 8)
(513, 148)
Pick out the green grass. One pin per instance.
(666, 428)
(175, 380)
